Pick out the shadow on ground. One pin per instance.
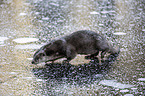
(85, 73)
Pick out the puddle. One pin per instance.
(115, 84)
(25, 40)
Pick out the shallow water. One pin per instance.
(26, 25)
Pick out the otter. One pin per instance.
(81, 42)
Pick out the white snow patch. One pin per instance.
(2, 39)
(115, 84)
(128, 95)
(23, 14)
(45, 18)
(29, 58)
(94, 12)
(143, 29)
(104, 12)
(141, 79)
(28, 46)
(25, 40)
(119, 33)
(123, 91)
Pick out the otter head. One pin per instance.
(48, 52)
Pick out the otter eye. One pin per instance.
(42, 54)
(57, 53)
(50, 52)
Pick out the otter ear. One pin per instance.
(56, 45)
(59, 44)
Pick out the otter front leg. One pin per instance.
(92, 55)
(70, 53)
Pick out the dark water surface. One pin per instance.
(25, 25)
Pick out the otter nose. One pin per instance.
(33, 62)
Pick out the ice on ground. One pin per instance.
(104, 12)
(115, 84)
(128, 95)
(119, 33)
(25, 40)
(23, 14)
(94, 12)
(2, 39)
(28, 46)
(124, 91)
(29, 58)
(141, 79)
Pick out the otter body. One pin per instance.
(80, 42)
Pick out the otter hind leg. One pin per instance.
(92, 55)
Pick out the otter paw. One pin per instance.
(65, 61)
(89, 57)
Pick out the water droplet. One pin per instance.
(101, 24)
(94, 12)
(45, 18)
(39, 80)
(23, 14)
(29, 58)
(37, 13)
(123, 91)
(13, 73)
